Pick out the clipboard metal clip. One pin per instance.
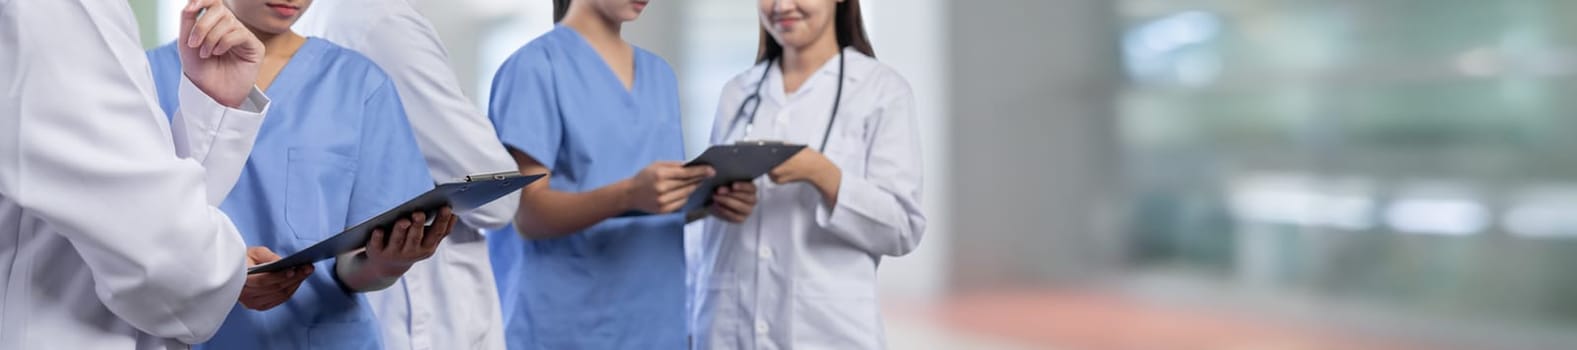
(502, 175)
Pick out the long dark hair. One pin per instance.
(849, 25)
(560, 7)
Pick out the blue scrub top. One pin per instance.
(334, 149)
(619, 284)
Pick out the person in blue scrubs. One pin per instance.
(334, 150)
(602, 117)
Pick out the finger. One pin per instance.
(281, 286)
(194, 5)
(448, 225)
(290, 288)
(205, 26)
(261, 254)
(727, 215)
(672, 207)
(677, 195)
(454, 219)
(376, 245)
(745, 186)
(681, 183)
(671, 184)
(413, 239)
(251, 280)
(211, 41)
(229, 40)
(290, 293)
(189, 17)
(270, 279)
(733, 204)
(397, 236)
(440, 228)
(748, 197)
(696, 172)
(734, 212)
(268, 283)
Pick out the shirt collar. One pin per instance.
(856, 66)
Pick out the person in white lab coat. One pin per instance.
(451, 301)
(802, 272)
(109, 234)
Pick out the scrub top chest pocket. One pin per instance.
(317, 192)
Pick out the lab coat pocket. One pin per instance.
(317, 193)
(848, 147)
(836, 322)
(721, 323)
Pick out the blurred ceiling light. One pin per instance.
(1179, 30)
(1303, 201)
(1152, 49)
(1480, 62)
(1543, 211)
(1437, 209)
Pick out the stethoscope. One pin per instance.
(753, 102)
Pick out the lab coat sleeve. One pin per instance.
(880, 212)
(93, 161)
(455, 137)
(217, 136)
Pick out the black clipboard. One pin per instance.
(469, 193)
(741, 161)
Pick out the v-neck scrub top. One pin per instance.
(335, 149)
(620, 283)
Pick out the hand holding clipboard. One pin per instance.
(472, 192)
(740, 162)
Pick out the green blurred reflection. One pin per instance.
(1412, 153)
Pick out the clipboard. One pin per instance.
(468, 193)
(741, 161)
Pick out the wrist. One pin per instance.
(624, 200)
(828, 181)
(827, 177)
(359, 273)
(390, 269)
(227, 100)
(386, 268)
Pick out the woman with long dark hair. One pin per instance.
(801, 273)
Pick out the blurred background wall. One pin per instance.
(1189, 174)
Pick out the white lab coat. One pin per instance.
(449, 301)
(109, 234)
(799, 274)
